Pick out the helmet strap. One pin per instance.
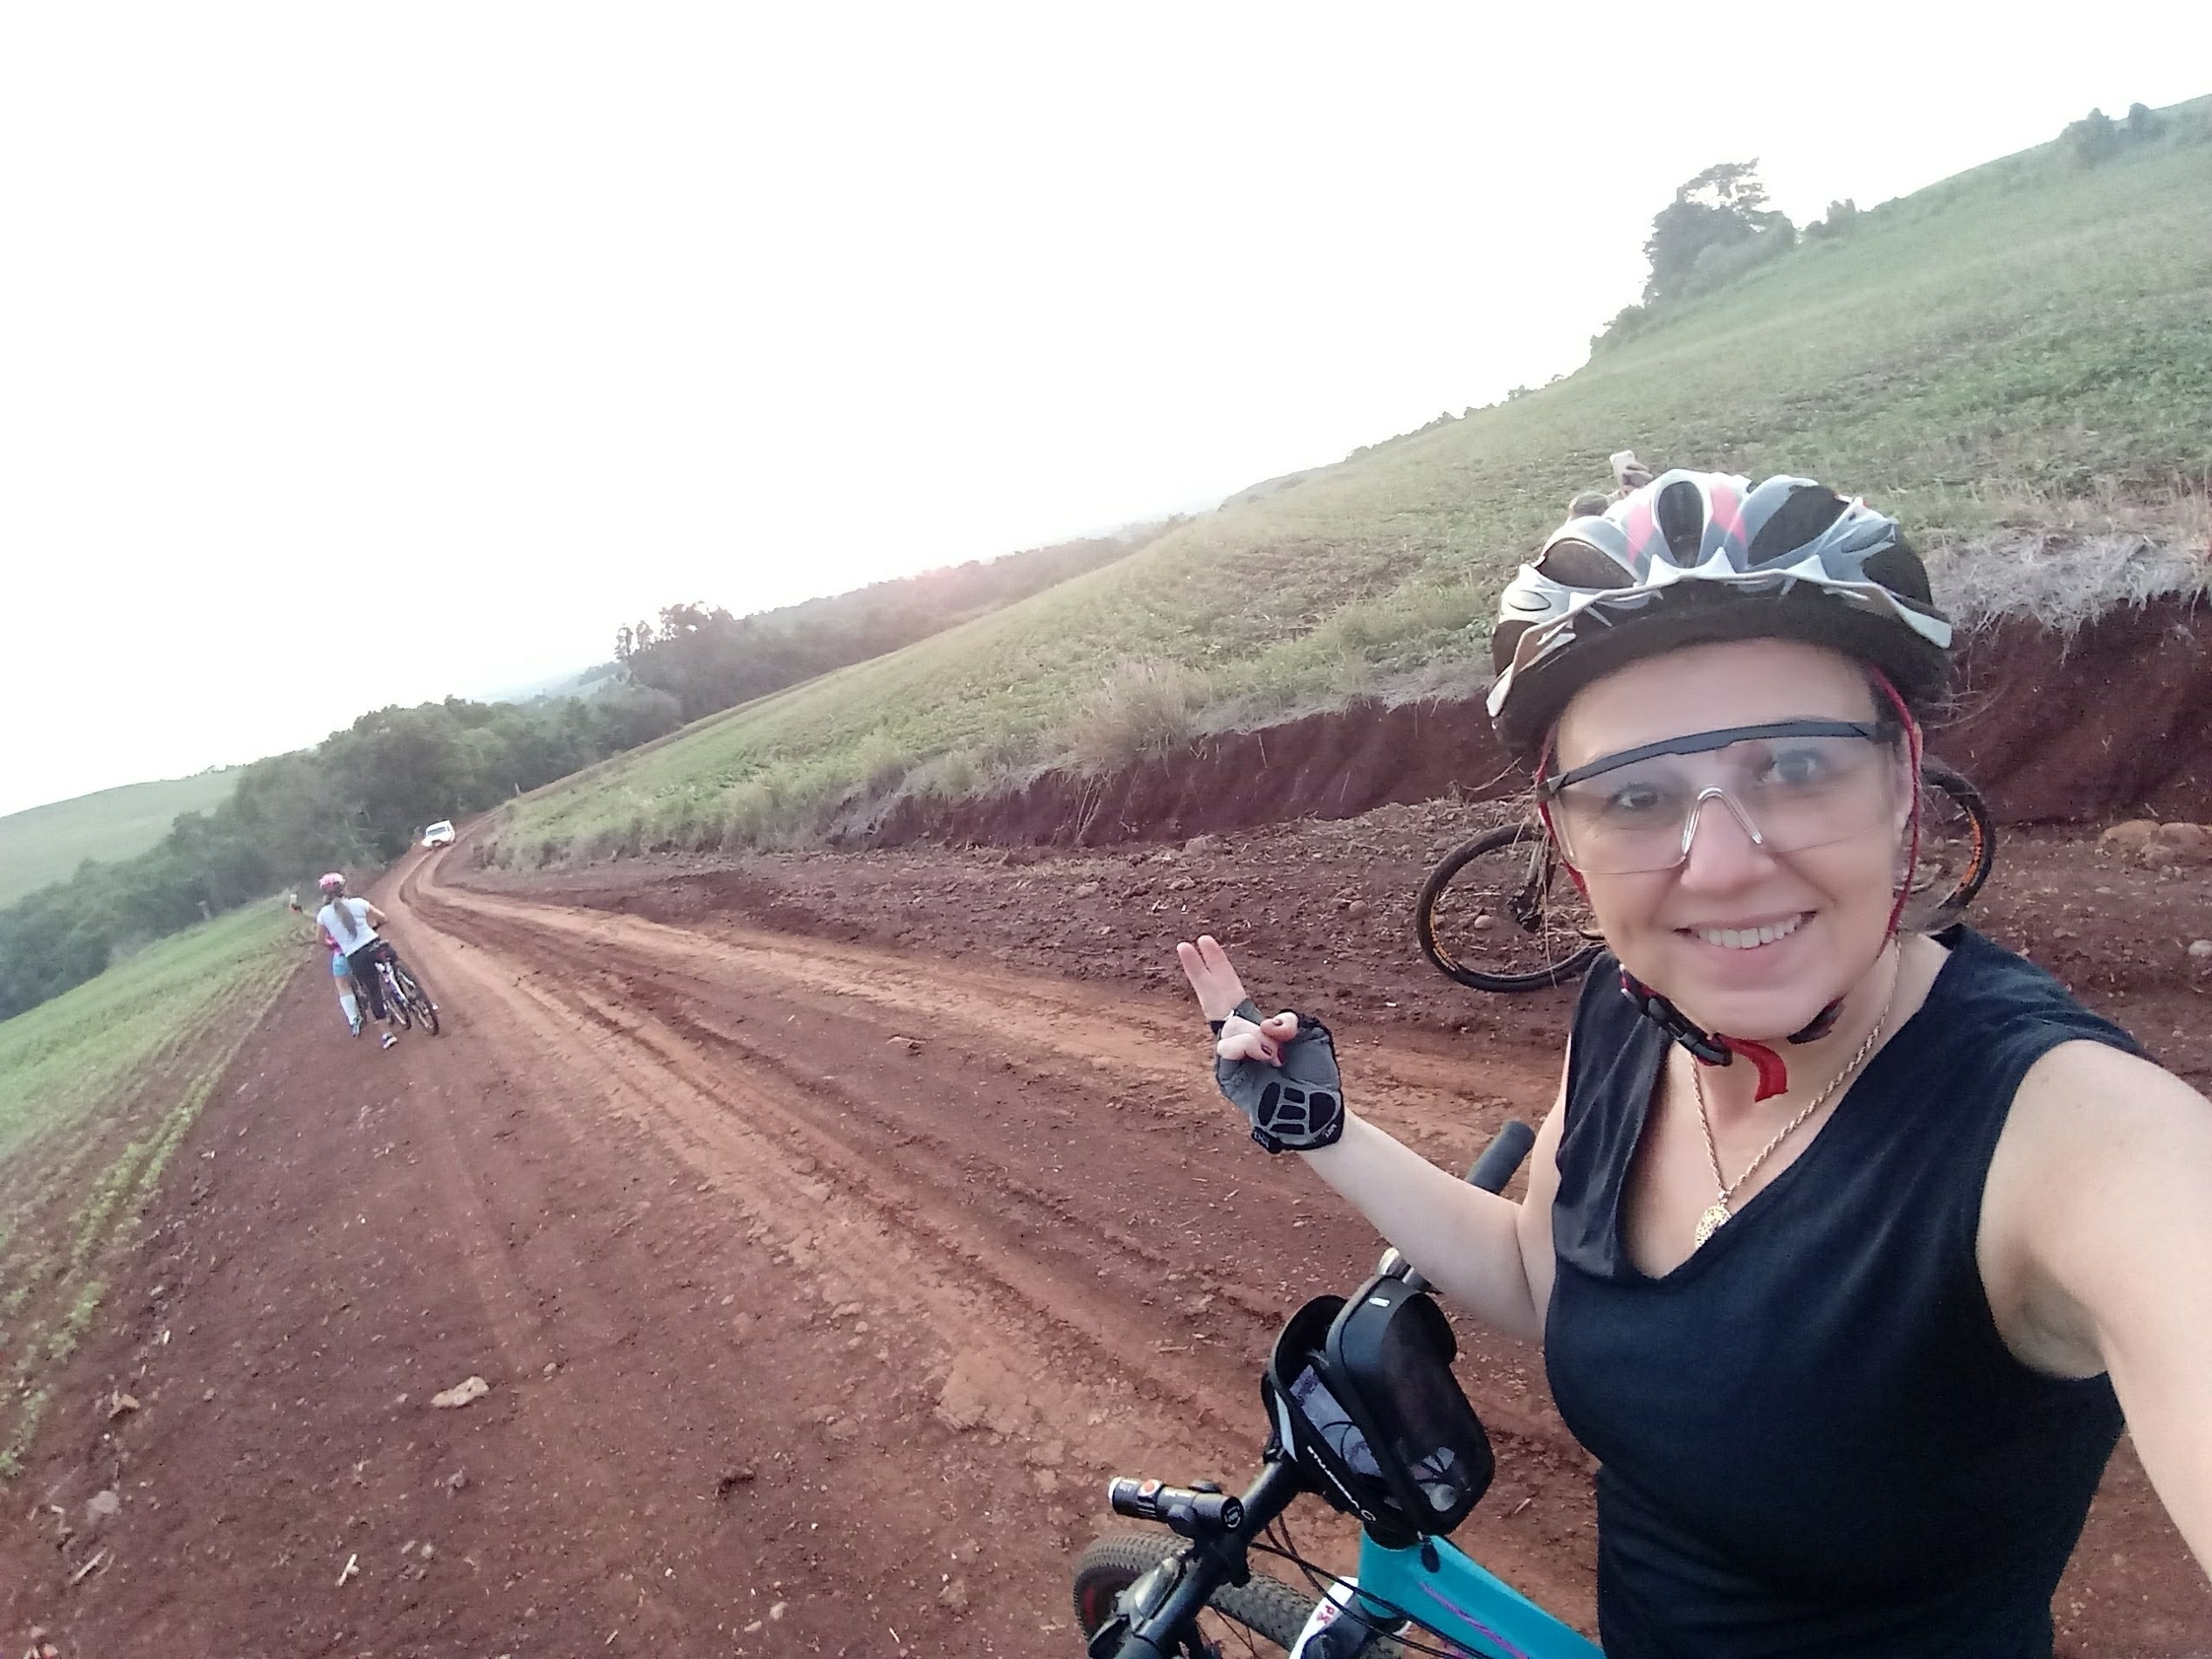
(1913, 750)
(1544, 812)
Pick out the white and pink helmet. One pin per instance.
(1692, 558)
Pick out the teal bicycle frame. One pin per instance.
(1473, 1609)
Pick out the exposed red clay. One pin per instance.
(2115, 720)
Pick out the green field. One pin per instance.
(2026, 345)
(46, 843)
(97, 1089)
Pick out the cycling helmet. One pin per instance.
(1694, 558)
(333, 883)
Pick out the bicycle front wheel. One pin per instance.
(394, 1004)
(1498, 914)
(418, 1000)
(1265, 1615)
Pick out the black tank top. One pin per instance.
(1812, 1439)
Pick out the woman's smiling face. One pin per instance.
(1745, 938)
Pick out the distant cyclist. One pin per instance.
(349, 926)
(1629, 474)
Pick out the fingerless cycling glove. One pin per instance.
(1298, 1106)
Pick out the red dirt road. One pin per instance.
(819, 1280)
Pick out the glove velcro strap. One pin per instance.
(1247, 1009)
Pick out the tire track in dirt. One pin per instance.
(1074, 1285)
(532, 1341)
(919, 1147)
(1141, 1055)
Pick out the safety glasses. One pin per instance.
(1792, 785)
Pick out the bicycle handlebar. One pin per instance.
(1502, 1157)
(1220, 1526)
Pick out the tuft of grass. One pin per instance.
(1141, 711)
(2063, 583)
(63, 1343)
(881, 763)
(30, 1412)
(2031, 322)
(952, 776)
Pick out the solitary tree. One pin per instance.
(1842, 216)
(1724, 205)
(2092, 138)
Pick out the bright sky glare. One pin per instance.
(361, 355)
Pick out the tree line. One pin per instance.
(708, 659)
(357, 799)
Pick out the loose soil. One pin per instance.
(828, 1229)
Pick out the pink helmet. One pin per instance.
(333, 883)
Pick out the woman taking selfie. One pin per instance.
(1851, 1250)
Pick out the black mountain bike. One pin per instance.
(404, 994)
(1499, 914)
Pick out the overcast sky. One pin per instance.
(360, 355)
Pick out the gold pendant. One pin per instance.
(1714, 1218)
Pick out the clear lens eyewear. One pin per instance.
(1792, 785)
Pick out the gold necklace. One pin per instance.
(1717, 1214)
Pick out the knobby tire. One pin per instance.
(1269, 1615)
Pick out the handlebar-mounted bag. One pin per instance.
(1361, 1394)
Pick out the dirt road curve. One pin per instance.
(818, 1286)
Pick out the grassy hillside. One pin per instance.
(2031, 337)
(97, 1089)
(46, 843)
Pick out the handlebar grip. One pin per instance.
(1502, 1157)
(1179, 1509)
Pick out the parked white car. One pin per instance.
(439, 834)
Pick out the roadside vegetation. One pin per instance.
(2015, 361)
(97, 1089)
(353, 801)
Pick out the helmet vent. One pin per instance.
(1800, 519)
